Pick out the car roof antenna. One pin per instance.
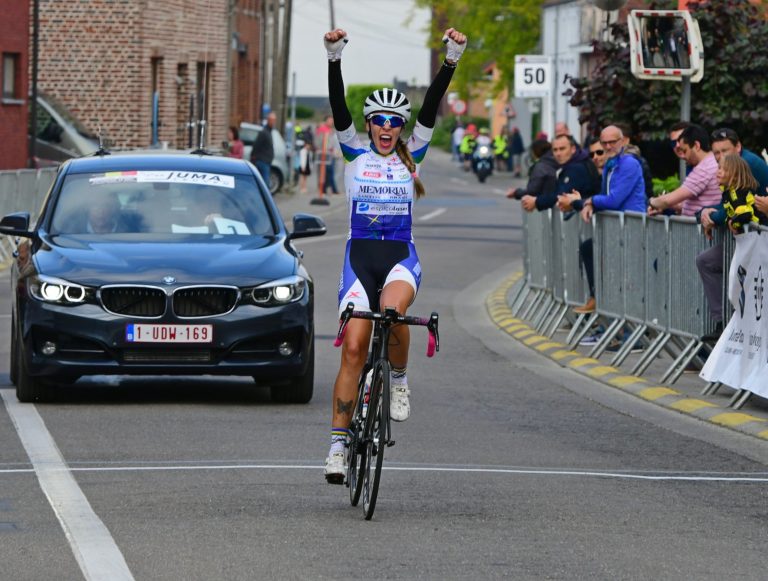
(102, 151)
(201, 136)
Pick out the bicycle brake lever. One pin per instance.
(343, 320)
(433, 344)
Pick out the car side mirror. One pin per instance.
(16, 224)
(306, 226)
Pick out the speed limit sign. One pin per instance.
(459, 107)
(533, 75)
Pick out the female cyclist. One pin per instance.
(380, 178)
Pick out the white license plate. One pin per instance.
(149, 333)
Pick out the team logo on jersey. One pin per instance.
(386, 209)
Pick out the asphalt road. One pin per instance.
(510, 467)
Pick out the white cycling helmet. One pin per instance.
(387, 101)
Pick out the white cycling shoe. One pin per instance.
(336, 467)
(399, 405)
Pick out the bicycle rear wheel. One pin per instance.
(375, 437)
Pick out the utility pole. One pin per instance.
(285, 55)
(268, 56)
(274, 58)
(231, 9)
(33, 98)
(280, 65)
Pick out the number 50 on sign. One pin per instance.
(533, 76)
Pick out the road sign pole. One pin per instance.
(685, 114)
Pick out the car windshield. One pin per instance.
(161, 202)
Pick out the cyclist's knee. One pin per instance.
(355, 353)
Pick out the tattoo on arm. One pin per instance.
(344, 407)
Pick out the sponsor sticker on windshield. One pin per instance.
(165, 176)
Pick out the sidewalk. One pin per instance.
(684, 396)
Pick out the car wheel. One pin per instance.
(14, 347)
(299, 389)
(275, 180)
(28, 389)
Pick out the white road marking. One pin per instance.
(759, 477)
(499, 191)
(433, 214)
(459, 181)
(93, 546)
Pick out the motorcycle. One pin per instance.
(482, 162)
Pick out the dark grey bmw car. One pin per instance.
(160, 264)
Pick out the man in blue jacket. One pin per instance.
(622, 189)
(576, 172)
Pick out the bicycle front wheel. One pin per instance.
(357, 448)
(375, 437)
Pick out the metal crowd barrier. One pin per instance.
(647, 285)
(23, 190)
(553, 277)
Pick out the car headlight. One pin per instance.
(58, 291)
(277, 292)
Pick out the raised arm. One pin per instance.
(455, 43)
(335, 41)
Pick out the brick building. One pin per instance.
(246, 75)
(14, 52)
(141, 69)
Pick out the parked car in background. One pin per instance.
(60, 136)
(279, 170)
(160, 264)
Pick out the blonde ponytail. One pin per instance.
(407, 159)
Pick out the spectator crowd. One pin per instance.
(725, 186)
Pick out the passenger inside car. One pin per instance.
(101, 215)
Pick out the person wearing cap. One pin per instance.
(382, 181)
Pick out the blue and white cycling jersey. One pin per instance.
(380, 188)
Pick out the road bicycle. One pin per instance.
(370, 427)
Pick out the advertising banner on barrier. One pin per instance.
(740, 358)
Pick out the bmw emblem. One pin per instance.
(169, 279)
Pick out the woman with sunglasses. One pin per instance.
(381, 181)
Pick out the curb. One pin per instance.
(500, 313)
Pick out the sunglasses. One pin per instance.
(596, 152)
(381, 120)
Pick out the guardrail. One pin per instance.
(647, 285)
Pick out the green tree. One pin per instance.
(356, 95)
(497, 30)
(732, 93)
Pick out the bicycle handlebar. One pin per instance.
(390, 317)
